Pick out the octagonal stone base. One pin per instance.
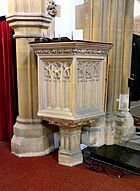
(32, 140)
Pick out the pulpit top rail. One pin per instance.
(71, 41)
(78, 45)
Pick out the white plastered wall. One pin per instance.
(3, 7)
(65, 24)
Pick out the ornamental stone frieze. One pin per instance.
(71, 51)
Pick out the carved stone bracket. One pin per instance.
(70, 124)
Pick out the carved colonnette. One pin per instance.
(72, 88)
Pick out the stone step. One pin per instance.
(134, 142)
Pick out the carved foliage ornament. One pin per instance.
(72, 51)
(88, 70)
(67, 124)
(51, 8)
(59, 70)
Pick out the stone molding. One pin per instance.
(71, 51)
(22, 19)
(72, 48)
(28, 121)
(28, 21)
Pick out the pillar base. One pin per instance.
(111, 129)
(93, 134)
(32, 140)
(124, 128)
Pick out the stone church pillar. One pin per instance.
(28, 18)
(112, 21)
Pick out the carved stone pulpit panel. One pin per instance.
(72, 79)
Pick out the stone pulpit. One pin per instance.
(72, 84)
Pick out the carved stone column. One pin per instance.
(69, 150)
(112, 21)
(31, 137)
